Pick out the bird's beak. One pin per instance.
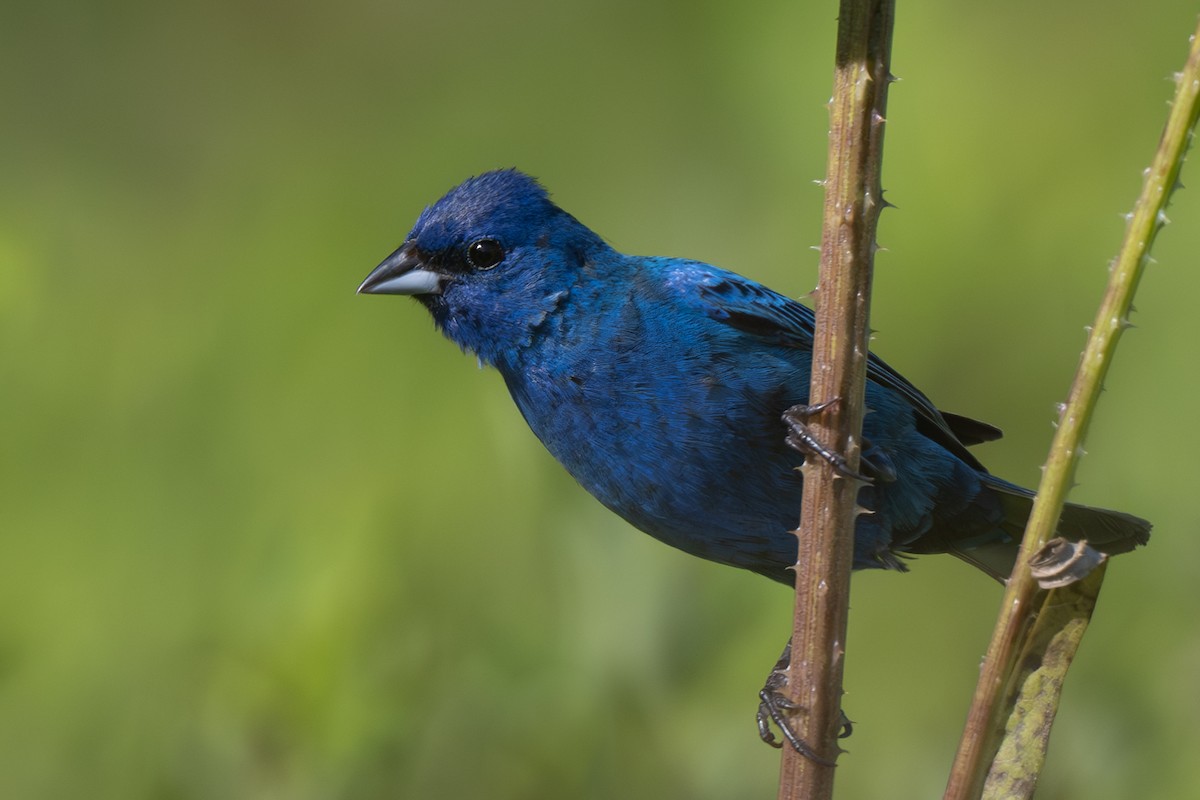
(402, 272)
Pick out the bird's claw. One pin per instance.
(773, 707)
(800, 437)
(876, 463)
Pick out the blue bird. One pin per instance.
(660, 384)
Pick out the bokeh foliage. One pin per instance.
(263, 538)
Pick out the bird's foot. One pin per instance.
(800, 437)
(774, 706)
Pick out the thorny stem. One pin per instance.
(994, 693)
(853, 200)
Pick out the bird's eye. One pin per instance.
(485, 253)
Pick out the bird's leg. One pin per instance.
(772, 707)
(801, 438)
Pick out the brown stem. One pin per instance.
(853, 200)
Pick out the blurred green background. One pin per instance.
(263, 538)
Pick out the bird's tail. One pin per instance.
(1110, 532)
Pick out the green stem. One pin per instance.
(994, 693)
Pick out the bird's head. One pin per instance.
(490, 260)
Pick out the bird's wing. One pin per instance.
(971, 431)
(754, 309)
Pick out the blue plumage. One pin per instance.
(659, 384)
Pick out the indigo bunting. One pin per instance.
(660, 383)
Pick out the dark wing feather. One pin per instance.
(755, 309)
(971, 431)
